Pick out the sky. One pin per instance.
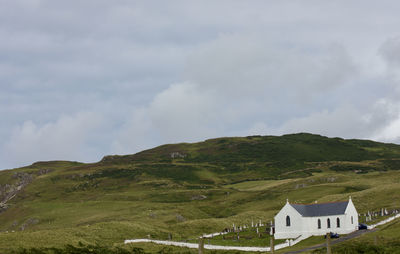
(84, 79)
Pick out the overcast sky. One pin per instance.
(84, 79)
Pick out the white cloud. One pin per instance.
(137, 133)
(390, 51)
(184, 112)
(390, 133)
(246, 85)
(344, 121)
(157, 73)
(246, 64)
(388, 115)
(64, 139)
(236, 80)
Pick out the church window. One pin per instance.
(338, 222)
(351, 219)
(319, 224)
(287, 221)
(328, 223)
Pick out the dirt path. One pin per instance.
(336, 241)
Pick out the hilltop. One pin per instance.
(188, 189)
(258, 157)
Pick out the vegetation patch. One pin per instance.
(393, 164)
(392, 246)
(191, 189)
(93, 249)
(354, 167)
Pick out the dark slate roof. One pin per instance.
(324, 209)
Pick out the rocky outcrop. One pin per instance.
(9, 191)
(300, 185)
(180, 218)
(3, 207)
(177, 155)
(29, 222)
(43, 171)
(198, 197)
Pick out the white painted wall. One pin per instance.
(312, 225)
(307, 226)
(296, 223)
(351, 212)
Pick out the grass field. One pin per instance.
(204, 189)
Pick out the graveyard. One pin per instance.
(257, 235)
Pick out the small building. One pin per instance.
(295, 220)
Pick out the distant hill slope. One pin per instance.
(261, 157)
(235, 159)
(191, 188)
(302, 147)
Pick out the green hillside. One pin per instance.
(189, 189)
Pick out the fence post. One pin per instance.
(271, 234)
(328, 243)
(201, 245)
(272, 244)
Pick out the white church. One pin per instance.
(295, 220)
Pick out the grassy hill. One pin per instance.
(189, 189)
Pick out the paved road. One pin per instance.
(336, 241)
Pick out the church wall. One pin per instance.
(309, 225)
(284, 232)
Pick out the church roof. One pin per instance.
(324, 209)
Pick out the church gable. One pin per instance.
(351, 208)
(288, 209)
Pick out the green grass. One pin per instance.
(384, 240)
(113, 216)
(247, 237)
(149, 193)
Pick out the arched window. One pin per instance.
(351, 219)
(287, 221)
(328, 223)
(337, 222)
(319, 224)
